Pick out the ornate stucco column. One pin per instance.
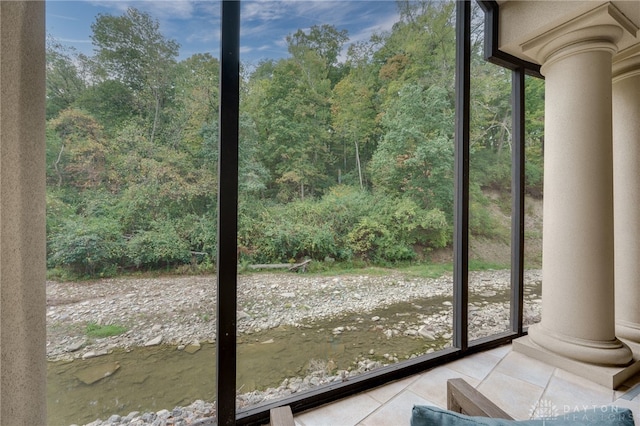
(22, 214)
(626, 166)
(578, 318)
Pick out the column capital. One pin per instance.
(598, 29)
(626, 63)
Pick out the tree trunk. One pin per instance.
(155, 117)
(55, 166)
(358, 164)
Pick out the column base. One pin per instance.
(626, 331)
(611, 353)
(634, 346)
(609, 376)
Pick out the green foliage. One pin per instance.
(427, 270)
(88, 245)
(414, 225)
(57, 211)
(99, 331)
(325, 40)
(110, 102)
(277, 233)
(81, 157)
(252, 174)
(482, 223)
(373, 241)
(200, 233)
(491, 170)
(349, 161)
(480, 265)
(415, 157)
(345, 222)
(161, 245)
(64, 81)
(534, 136)
(132, 48)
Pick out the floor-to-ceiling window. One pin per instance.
(534, 178)
(132, 112)
(364, 192)
(321, 111)
(346, 162)
(490, 182)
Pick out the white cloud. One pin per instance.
(204, 36)
(73, 40)
(264, 23)
(258, 10)
(159, 9)
(381, 24)
(68, 18)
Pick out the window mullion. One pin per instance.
(461, 201)
(226, 267)
(517, 197)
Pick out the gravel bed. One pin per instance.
(181, 310)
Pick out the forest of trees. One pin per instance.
(342, 155)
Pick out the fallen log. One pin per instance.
(288, 266)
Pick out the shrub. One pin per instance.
(346, 221)
(87, 245)
(160, 245)
(288, 240)
(411, 224)
(373, 241)
(200, 233)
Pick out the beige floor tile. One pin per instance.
(477, 366)
(512, 380)
(513, 395)
(432, 385)
(524, 368)
(346, 412)
(500, 352)
(397, 411)
(568, 392)
(384, 393)
(580, 381)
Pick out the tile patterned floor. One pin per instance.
(514, 381)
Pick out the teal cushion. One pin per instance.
(424, 415)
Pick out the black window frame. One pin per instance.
(226, 354)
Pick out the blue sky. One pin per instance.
(196, 24)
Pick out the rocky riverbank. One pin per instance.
(180, 311)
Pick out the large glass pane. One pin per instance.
(534, 174)
(489, 191)
(131, 200)
(346, 190)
